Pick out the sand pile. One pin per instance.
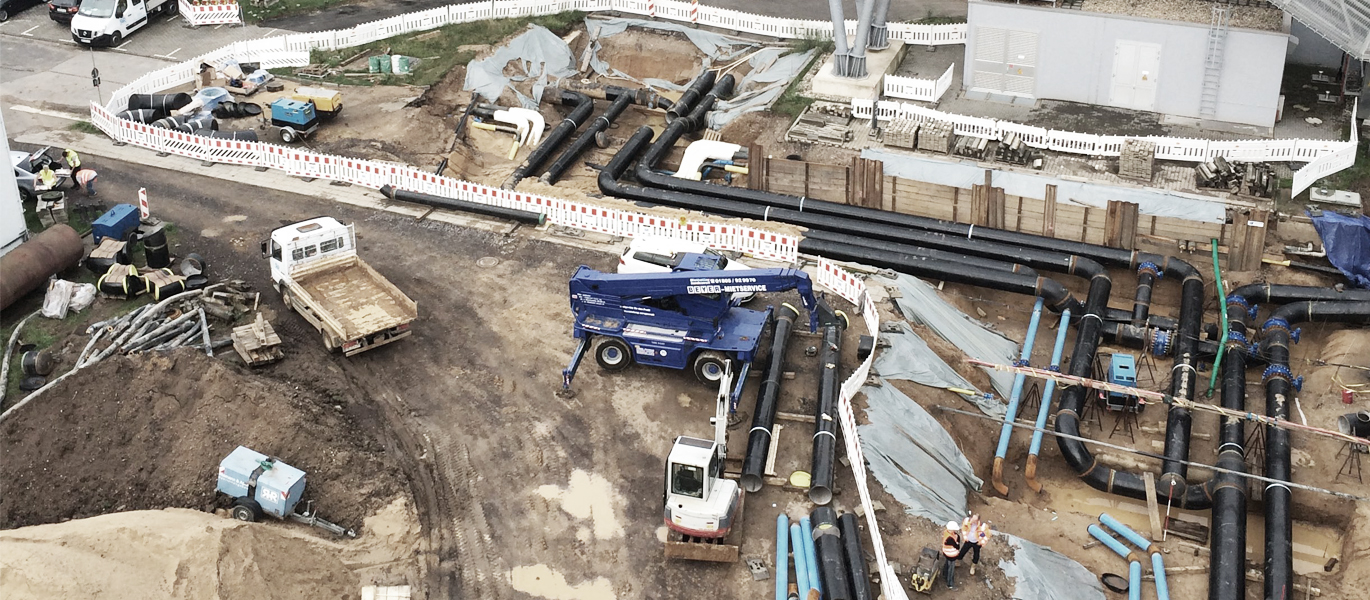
(172, 553)
(148, 432)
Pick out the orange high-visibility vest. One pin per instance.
(951, 545)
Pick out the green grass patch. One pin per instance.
(791, 103)
(47, 333)
(85, 127)
(437, 50)
(812, 42)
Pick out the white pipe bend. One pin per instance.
(700, 151)
(519, 122)
(536, 124)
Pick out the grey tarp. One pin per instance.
(1040, 572)
(541, 54)
(921, 303)
(913, 457)
(771, 74)
(909, 358)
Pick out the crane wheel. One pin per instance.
(247, 509)
(710, 366)
(613, 354)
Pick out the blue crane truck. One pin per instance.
(686, 318)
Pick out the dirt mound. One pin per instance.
(171, 553)
(148, 432)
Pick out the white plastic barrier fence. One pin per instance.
(851, 288)
(1167, 148)
(1325, 165)
(914, 88)
(210, 14)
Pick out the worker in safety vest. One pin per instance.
(86, 179)
(47, 178)
(73, 160)
(975, 533)
(951, 550)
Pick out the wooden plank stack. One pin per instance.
(822, 128)
(257, 343)
(1137, 159)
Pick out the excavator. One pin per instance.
(688, 317)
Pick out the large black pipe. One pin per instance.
(582, 106)
(1147, 273)
(1227, 539)
(684, 122)
(1057, 297)
(856, 561)
(522, 216)
(825, 413)
(1279, 545)
(1184, 377)
(698, 117)
(568, 157)
(919, 251)
(767, 399)
(832, 557)
(686, 102)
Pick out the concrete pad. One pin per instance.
(827, 85)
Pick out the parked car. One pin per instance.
(655, 254)
(63, 10)
(26, 166)
(13, 7)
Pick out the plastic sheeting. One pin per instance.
(913, 457)
(920, 303)
(541, 55)
(963, 174)
(205, 100)
(1346, 240)
(771, 69)
(1040, 572)
(909, 358)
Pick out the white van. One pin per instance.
(654, 255)
(108, 22)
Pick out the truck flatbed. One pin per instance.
(352, 297)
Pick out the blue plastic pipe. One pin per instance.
(782, 555)
(1134, 568)
(1030, 472)
(1006, 433)
(811, 556)
(1157, 561)
(801, 563)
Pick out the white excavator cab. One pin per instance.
(700, 502)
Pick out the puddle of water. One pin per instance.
(1313, 544)
(589, 496)
(542, 581)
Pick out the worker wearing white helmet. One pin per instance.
(951, 550)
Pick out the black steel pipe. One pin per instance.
(1184, 377)
(580, 144)
(1227, 539)
(825, 412)
(856, 561)
(1141, 305)
(919, 251)
(682, 106)
(698, 118)
(161, 102)
(1279, 543)
(767, 399)
(521, 216)
(581, 107)
(1057, 297)
(831, 555)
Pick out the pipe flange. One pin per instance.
(1239, 301)
(1276, 372)
(1149, 267)
(1161, 343)
(1020, 362)
(1237, 336)
(1275, 324)
(1054, 368)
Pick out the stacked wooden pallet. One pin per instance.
(822, 128)
(1137, 159)
(901, 133)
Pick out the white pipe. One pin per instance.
(536, 123)
(703, 150)
(517, 121)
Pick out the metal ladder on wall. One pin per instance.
(1213, 61)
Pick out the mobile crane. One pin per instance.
(685, 318)
(688, 317)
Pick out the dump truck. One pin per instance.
(316, 270)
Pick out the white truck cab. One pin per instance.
(108, 22)
(306, 242)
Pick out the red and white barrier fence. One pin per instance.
(217, 13)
